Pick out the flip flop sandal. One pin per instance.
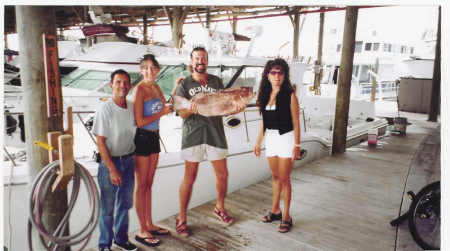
(271, 217)
(285, 226)
(159, 231)
(148, 241)
(181, 228)
(223, 216)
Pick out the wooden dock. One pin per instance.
(338, 203)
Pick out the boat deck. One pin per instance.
(342, 202)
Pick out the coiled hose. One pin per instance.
(41, 187)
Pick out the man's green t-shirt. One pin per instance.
(198, 129)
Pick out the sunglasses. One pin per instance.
(279, 73)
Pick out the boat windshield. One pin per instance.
(94, 80)
(249, 77)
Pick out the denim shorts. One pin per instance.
(147, 142)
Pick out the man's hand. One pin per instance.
(115, 177)
(193, 109)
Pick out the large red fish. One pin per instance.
(223, 102)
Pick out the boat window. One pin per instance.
(368, 46)
(249, 77)
(338, 48)
(358, 46)
(85, 79)
(167, 76)
(403, 49)
(411, 50)
(364, 76)
(387, 47)
(376, 46)
(355, 70)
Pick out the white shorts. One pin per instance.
(279, 145)
(201, 152)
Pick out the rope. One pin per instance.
(41, 187)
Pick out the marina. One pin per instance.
(339, 203)
(369, 116)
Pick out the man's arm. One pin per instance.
(180, 91)
(114, 175)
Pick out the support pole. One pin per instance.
(344, 81)
(144, 20)
(208, 18)
(436, 87)
(296, 32)
(373, 91)
(32, 22)
(318, 75)
(234, 24)
(176, 16)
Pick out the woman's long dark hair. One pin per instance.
(265, 88)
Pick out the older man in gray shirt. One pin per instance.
(115, 128)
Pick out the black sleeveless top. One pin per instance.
(281, 117)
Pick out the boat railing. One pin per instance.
(250, 108)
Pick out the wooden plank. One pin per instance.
(66, 164)
(53, 81)
(52, 138)
(69, 117)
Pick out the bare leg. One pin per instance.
(276, 185)
(190, 174)
(285, 169)
(142, 172)
(152, 164)
(220, 168)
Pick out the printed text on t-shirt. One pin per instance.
(198, 89)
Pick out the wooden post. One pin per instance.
(69, 116)
(436, 87)
(318, 75)
(373, 91)
(208, 18)
(176, 16)
(344, 81)
(32, 22)
(234, 23)
(144, 20)
(296, 33)
(52, 139)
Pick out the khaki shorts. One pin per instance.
(279, 145)
(201, 152)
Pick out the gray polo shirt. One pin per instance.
(117, 125)
(198, 129)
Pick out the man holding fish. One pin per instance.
(202, 138)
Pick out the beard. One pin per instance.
(200, 70)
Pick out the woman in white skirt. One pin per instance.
(281, 127)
